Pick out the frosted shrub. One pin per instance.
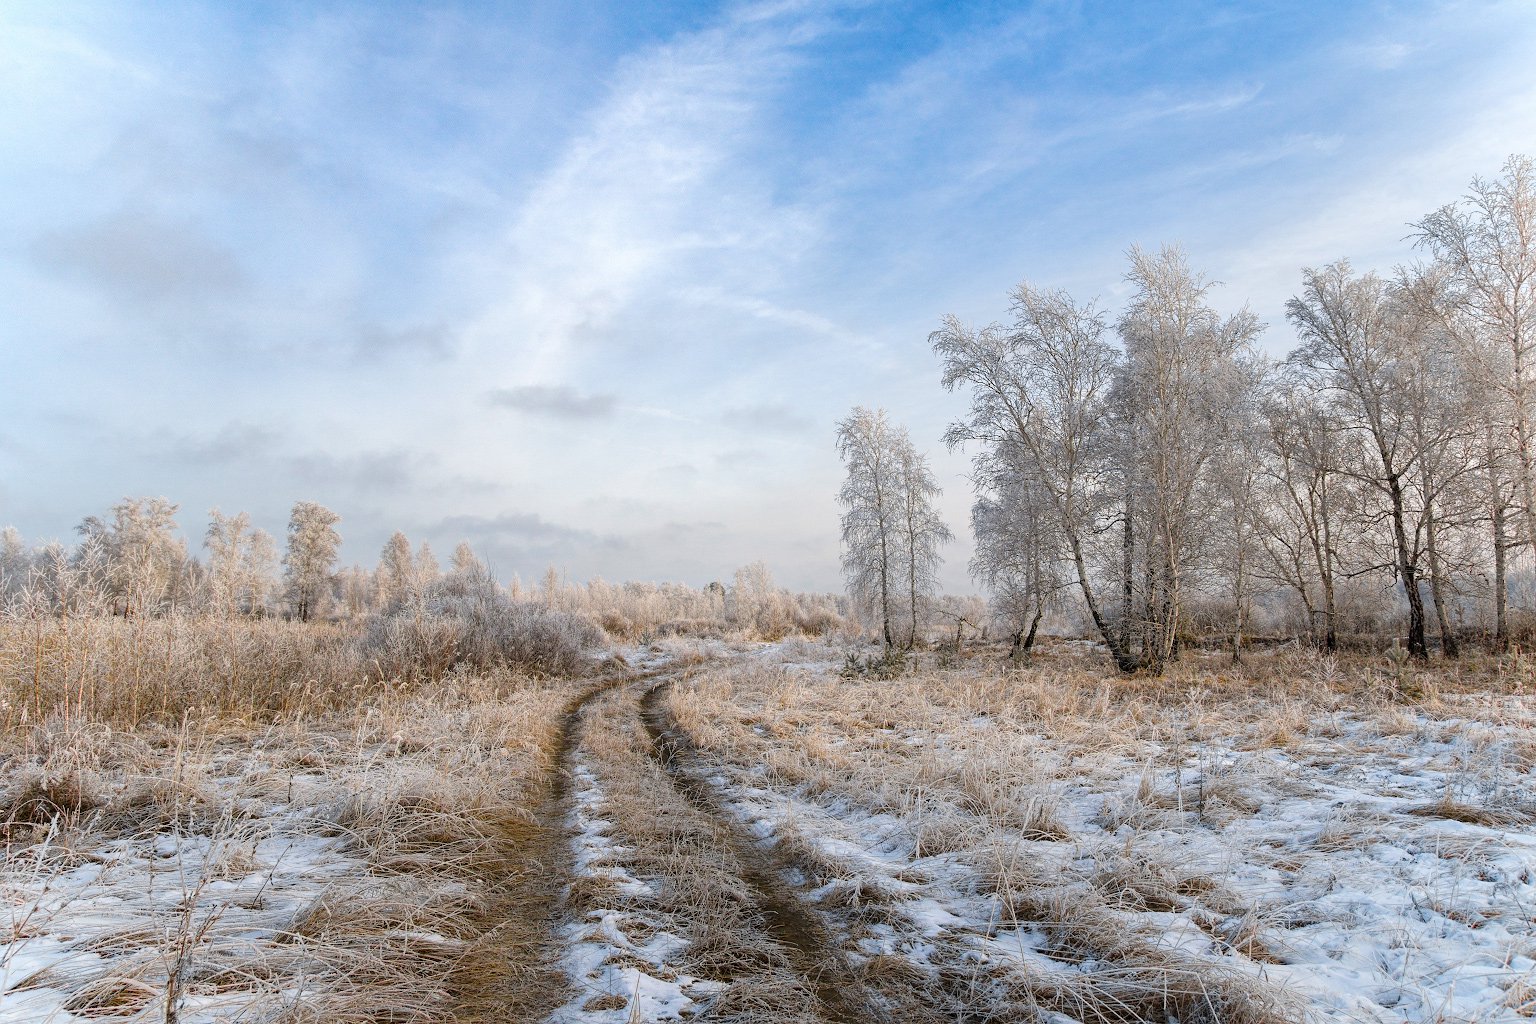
(478, 631)
(403, 645)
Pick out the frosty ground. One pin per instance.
(739, 831)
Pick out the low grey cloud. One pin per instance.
(388, 471)
(736, 458)
(525, 542)
(261, 449)
(234, 442)
(524, 528)
(771, 418)
(560, 402)
(136, 256)
(374, 342)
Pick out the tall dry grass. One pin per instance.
(142, 736)
(126, 673)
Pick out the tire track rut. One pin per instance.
(524, 978)
(796, 927)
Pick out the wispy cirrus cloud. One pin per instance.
(655, 189)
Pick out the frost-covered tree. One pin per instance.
(1445, 405)
(1018, 549)
(891, 531)
(1365, 350)
(1306, 497)
(754, 602)
(1487, 245)
(16, 563)
(241, 564)
(1182, 374)
(1100, 442)
(468, 576)
(310, 561)
(872, 507)
(357, 590)
(136, 557)
(1040, 396)
(396, 573)
(550, 587)
(425, 571)
(1238, 489)
(464, 561)
(921, 529)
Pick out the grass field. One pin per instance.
(251, 826)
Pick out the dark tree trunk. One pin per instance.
(1500, 545)
(1325, 574)
(1034, 628)
(1448, 645)
(1123, 658)
(1407, 570)
(1128, 570)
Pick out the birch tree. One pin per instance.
(872, 511)
(1443, 413)
(425, 572)
(310, 562)
(1040, 399)
(468, 575)
(1181, 378)
(1487, 242)
(1307, 491)
(396, 573)
(464, 562)
(16, 562)
(1236, 487)
(1479, 363)
(922, 530)
(1355, 349)
(241, 560)
(1018, 550)
(136, 555)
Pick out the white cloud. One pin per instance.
(648, 192)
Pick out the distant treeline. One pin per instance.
(133, 563)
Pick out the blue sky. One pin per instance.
(590, 284)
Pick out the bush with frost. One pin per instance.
(452, 628)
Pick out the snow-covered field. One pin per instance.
(207, 919)
(735, 831)
(1303, 852)
(324, 870)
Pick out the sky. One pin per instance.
(590, 284)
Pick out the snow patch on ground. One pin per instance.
(1355, 888)
(617, 956)
(108, 924)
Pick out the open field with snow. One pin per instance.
(1210, 846)
(739, 831)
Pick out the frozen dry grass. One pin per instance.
(1288, 839)
(220, 821)
(252, 822)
